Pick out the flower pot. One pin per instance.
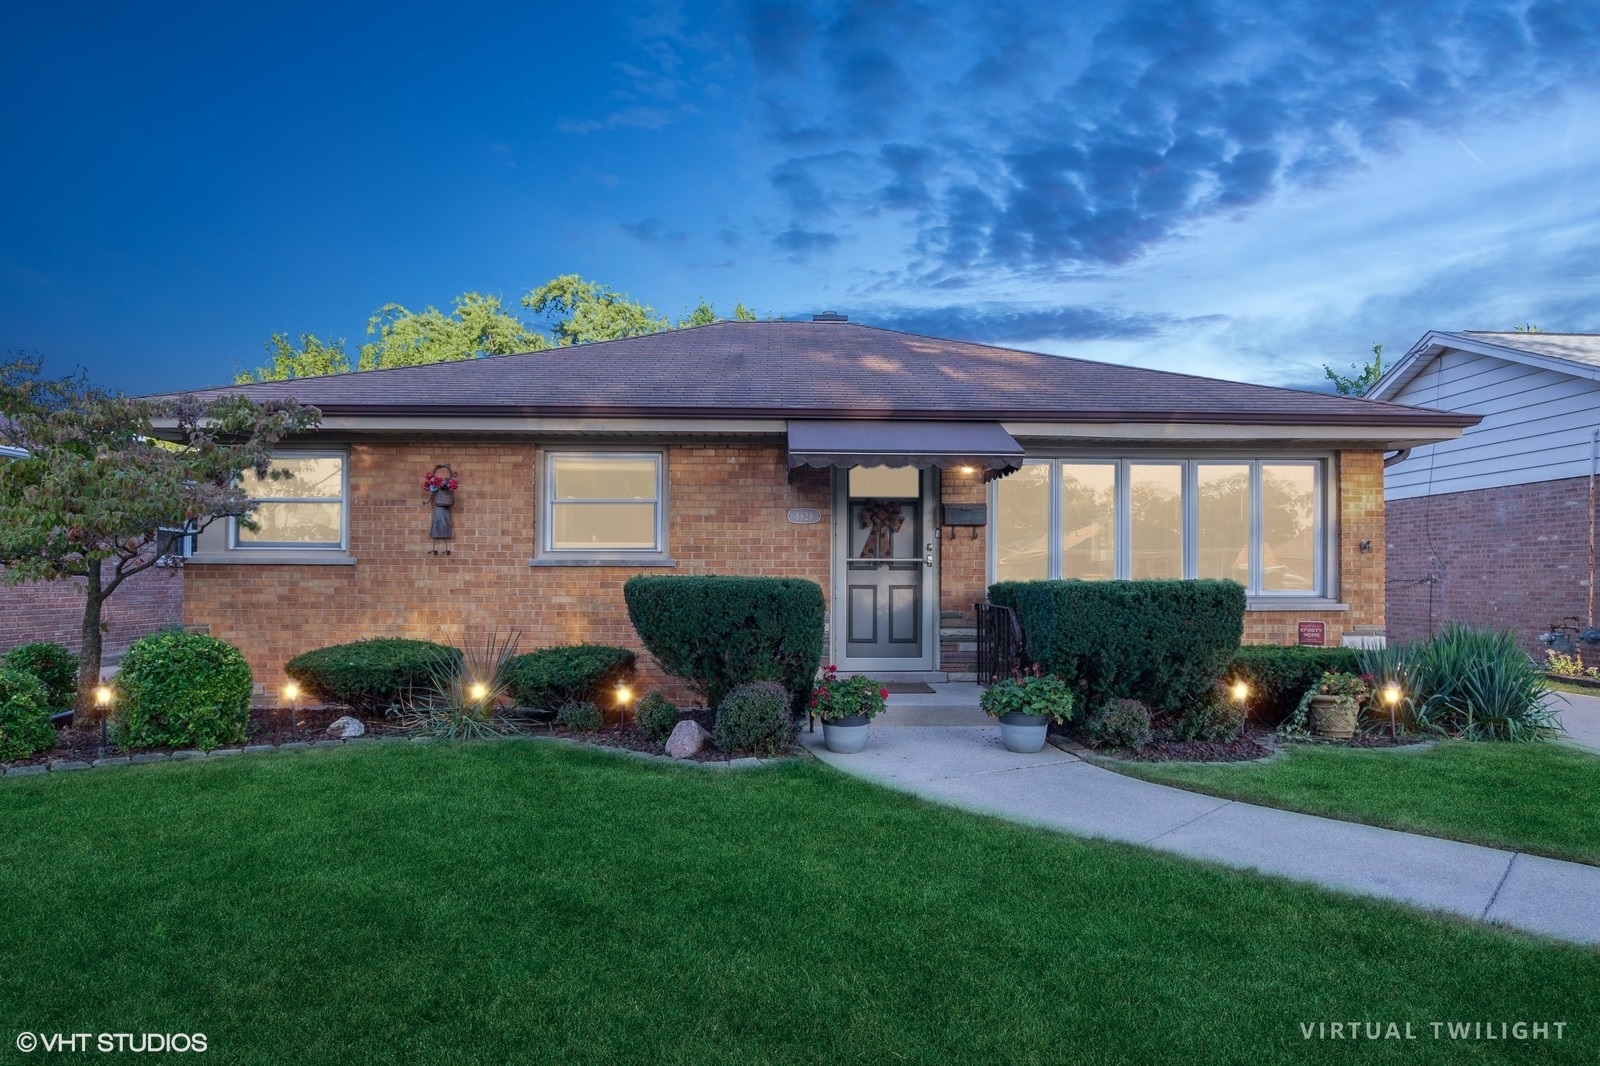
(1023, 733)
(847, 735)
(1333, 716)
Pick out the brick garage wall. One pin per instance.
(727, 505)
(53, 610)
(1361, 573)
(1512, 558)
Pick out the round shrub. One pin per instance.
(53, 664)
(25, 727)
(568, 674)
(657, 716)
(581, 717)
(1120, 723)
(371, 676)
(1215, 718)
(183, 689)
(755, 717)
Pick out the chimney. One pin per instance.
(830, 316)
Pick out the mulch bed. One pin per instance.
(1244, 748)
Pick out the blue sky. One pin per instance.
(1243, 190)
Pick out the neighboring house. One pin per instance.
(1495, 528)
(870, 461)
(53, 610)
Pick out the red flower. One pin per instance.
(884, 693)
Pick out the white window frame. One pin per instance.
(1323, 580)
(547, 503)
(235, 544)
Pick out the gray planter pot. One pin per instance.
(847, 735)
(1023, 733)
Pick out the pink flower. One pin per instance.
(884, 693)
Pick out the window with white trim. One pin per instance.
(1259, 522)
(304, 507)
(603, 502)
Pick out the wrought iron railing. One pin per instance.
(999, 643)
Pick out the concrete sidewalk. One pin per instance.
(966, 766)
(1580, 716)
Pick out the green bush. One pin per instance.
(1279, 674)
(183, 689)
(53, 664)
(25, 727)
(581, 716)
(1162, 642)
(371, 676)
(568, 674)
(755, 717)
(657, 716)
(1046, 696)
(1217, 717)
(1472, 683)
(720, 632)
(1122, 723)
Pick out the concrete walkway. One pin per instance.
(1580, 715)
(966, 766)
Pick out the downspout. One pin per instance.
(1594, 461)
(1398, 457)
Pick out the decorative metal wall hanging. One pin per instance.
(441, 497)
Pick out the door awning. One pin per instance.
(984, 446)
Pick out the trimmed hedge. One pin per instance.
(574, 673)
(656, 716)
(188, 690)
(370, 675)
(54, 665)
(721, 632)
(25, 727)
(1279, 674)
(755, 717)
(1161, 642)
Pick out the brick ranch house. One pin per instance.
(902, 473)
(1496, 528)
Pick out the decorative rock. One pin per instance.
(688, 739)
(343, 728)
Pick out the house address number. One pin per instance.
(804, 516)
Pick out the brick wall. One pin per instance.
(727, 505)
(1512, 558)
(964, 567)
(53, 610)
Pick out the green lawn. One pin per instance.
(530, 902)
(1538, 798)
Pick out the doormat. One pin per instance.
(905, 688)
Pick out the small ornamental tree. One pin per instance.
(98, 498)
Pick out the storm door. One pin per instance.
(887, 550)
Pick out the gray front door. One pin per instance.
(885, 569)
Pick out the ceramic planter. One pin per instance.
(847, 735)
(1333, 717)
(1023, 733)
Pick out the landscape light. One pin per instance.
(479, 690)
(1240, 691)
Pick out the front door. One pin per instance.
(886, 548)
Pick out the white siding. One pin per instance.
(1536, 426)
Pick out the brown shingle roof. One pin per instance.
(822, 370)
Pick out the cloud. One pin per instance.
(641, 118)
(1004, 323)
(802, 243)
(654, 231)
(1046, 144)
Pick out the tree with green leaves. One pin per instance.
(1362, 378)
(312, 359)
(582, 311)
(476, 326)
(98, 499)
(705, 315)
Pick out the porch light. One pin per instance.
(967, 469)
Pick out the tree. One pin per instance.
(98, 499)
(1364, 377)
(1527, 327)
(741, 313)
(582, 311)
(704, 315)
(477, 326)
(312, 359)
